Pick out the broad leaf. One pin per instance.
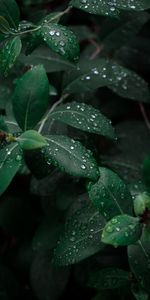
(139, 261)
(61, 40)
(30, 97)
(103, 72)
(109, 278)
(81, 237)
(97, 7)
(31, 139)
(4, 26)
(110, 194)
(110, 8)
(84, 117)
(9, 52)
(71, 157)
(47, 280)
(10, 11)
(122, 230)
(10, 162)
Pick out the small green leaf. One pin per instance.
(10, 162)
(81, 237)
(110, 194)
(31, 139)
(10, 11)
(71, 157)
(122, 230)
(84, 117)
(146, 170)
(109, 278)
(30, 98)
(141, 202)
(9, 52)
(61, 40)
(139, 261)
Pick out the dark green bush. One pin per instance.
(74, 149)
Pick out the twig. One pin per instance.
(97, 51)
(50, 111)
(144, 114)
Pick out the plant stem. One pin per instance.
(50, 111)
(144, 114)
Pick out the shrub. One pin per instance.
(74, 156)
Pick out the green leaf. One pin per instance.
(97, 7)
(139, 293)
(109, 278)
(47, 281)
(141, 202)
(84, 117)
(81, 237)
(51, 61)
(10, 162)
(31, 139)
(139, 261)
(4, 26)
(9, 52)
(111, 8)
(71, 157)
(103, 72)
(10, 11)
(110, 194)
(122, 230)
(61, 40)
(30, 98)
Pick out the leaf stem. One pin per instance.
(144, 114)
(50, 111)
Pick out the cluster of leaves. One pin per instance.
(87, 182)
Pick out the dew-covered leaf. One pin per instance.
(71, 157)
(122, 230)
(110, 194)
(96, 7)
(101, 72)
(139, 261)
(9, 52)
(110, 8)
(31, 139)
(10, 162)
(10, 11)
(81, 237)
(61, 40)
(30, 97)
(84, 117)
(109, 278)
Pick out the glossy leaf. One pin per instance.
(71, 157)
(101, 72)
(139, 261)
(31, 139)
(96, 7)
(10, 11)
(50, 60)
(122, 230)
(110, 194)
(61, 40)
(111, 8)
(81, 237)
(9, 52)
(84, 117)
(10, 162)
(109, 278)
(4, 26)
(141, 203)
(30, 97)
